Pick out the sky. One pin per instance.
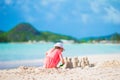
(77, 18)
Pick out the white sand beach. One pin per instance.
(105, 67)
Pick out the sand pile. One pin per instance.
(112, 63)
(37, 73)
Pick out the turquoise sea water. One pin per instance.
(24, 51)
(12, 52)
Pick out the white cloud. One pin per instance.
(112, 15)
(105, 11)
(28, 10)
(53, 8)
(27, 7)
(8, 2)
(84, 18)
(51, 2)
(20, 2)
(50, 16)
(44, 3)
(52, 5)
(30, 18)
(95, 6)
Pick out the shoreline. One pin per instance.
(15, 64)
(94, 58)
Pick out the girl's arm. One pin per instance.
(62, 60)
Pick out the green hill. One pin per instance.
(3, 36)
(24, 32)
(49, 36)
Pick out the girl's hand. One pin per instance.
(61, 65)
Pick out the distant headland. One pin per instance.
(25, 32)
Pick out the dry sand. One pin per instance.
(106, 67)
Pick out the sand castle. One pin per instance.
(68, 63)
(76, 62)
(84, 62)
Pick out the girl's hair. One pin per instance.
(56, 47)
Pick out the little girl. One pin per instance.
(54, 56)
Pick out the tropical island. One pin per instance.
(25, 32)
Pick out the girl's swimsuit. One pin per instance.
(52, 58)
